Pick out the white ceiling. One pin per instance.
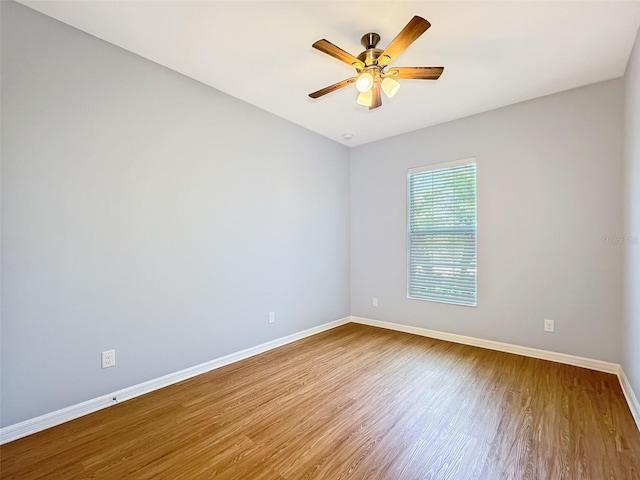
(494, 53)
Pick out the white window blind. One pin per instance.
(442, 257)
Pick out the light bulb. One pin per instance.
(364, 82)
(365, 98)
(390, 86)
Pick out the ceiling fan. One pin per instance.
(372, 65)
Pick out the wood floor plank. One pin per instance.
(354, 403)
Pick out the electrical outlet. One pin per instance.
(272, 317)
(108, 358)
(375, 302)
(549, 326)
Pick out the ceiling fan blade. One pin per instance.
(418, 73)
(332, 88)
(329, 48)
(377, 98)
(412, 30)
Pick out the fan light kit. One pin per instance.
(372, 65)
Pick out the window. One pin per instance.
(442, 263)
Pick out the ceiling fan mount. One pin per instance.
(372, 64)
(370, 40)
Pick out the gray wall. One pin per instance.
(631, 329)
(145, 212)
(550, 175)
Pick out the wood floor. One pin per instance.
(355, 402)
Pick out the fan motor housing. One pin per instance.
(370, 56)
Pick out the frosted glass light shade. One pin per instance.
(364, 82)
(365, 98)
(390, 86)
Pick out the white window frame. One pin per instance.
(434, 167)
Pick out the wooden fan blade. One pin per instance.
(418, 73)
(412, 30)
(329, 48)
(332, 88)
(377, 98)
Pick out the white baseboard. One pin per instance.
(499, 346)
(589, 363)
(632, 400)
(33, 425)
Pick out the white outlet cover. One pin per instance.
(108, 358)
